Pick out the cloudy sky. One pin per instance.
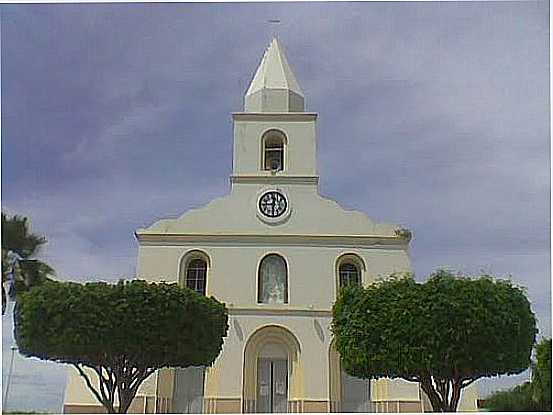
(434, 116)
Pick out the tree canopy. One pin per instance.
(123, 332)
(444, 333)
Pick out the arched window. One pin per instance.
(273, 150)
(273, 280)
(349, 270)
(196, 272)
(193, 270)
(349, 274)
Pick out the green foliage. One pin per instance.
(541, 378)
(32, 272)
(129, 327)
(404, 233)
(444, 333)
(518, 399)
(156, 325)
(532, 396)
(16, 237)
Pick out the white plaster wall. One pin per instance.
(232, 275)
(232, 278)
(300, 149)
(313, 353)
(469, 397)
(313, 333)
(237, 212)
(399, 389)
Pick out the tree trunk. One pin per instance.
(124, 403)
(441, 400)
(4, 300)
(126, 396)
(455, 396)
(433, 396)
(17, 322)
(98, 394)
(122, 380)
(128, 383)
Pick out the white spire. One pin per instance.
(274, 87)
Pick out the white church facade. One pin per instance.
(276, 253)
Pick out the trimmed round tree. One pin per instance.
(123, 332)
(445, 333)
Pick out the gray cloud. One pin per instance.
(432, 115)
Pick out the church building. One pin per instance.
(276, 253)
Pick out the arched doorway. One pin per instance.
(271, 358)
(347, 393)
(272, 379)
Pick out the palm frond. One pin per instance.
(16, 236)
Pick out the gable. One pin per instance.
(238, 214)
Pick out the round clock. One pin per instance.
(273, 204)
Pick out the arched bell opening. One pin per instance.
(273, 150)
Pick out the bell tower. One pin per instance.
(274, 138)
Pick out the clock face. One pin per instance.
(273, 204)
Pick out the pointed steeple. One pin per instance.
(274, 87)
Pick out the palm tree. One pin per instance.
(18, 241)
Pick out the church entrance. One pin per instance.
(272, 385)
(270, 379)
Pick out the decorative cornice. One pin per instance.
(274, 179)
(354, 241)
(273, 116)
(280, 311)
